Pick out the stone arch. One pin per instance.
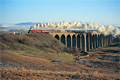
(101, 40)
(74, 41)
(87, 42)
(96, 44)
(83, 42)
(57, 37)
(91, 42)
(98, 40)
(108, 39)
(93, 38)
(63, 39)
(78, 41)
(68, 40)
(104, 40)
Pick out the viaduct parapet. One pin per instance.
(82, 41)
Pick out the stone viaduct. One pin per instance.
(83, 41)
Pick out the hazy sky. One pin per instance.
(99, 11)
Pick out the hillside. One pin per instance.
(36, 45)
(42, 57)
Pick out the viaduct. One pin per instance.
(83, 41)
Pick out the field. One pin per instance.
(41, 57)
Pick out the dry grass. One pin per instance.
(42, 41)
(37, 59)
(15, 60)
(45, 69)
(36, 45)
(12, 73)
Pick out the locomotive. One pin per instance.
(43, 31)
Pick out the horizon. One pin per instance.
(103, 12)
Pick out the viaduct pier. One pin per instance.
(82, 41)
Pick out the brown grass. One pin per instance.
(12, 73)
(36, 45)
(15, 60)
(45, 69)
(23, 59)
(40, 41)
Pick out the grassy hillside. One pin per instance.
(39, 41)
(36, 45)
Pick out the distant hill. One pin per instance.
(119, 27)
(19, 31)
(26, 23)
(3, 28)
(4, 32)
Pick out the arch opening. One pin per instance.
(98, 40)
(57, 37)
(73, 41)
(91, 41)
(68, 41)
(94, 41)
(101, 40)
(78, 41)
(104, 40)
(83, 43)
(109, 39)
(87, 42)
(96, 44)
(63, 39)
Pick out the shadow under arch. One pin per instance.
(91, 41)
(96, 38)
(101, 40)
(73, 41)
(83, 42)
(87, 42)
(108, 39)
(57, 37)
(78, 41)
(68, 41)
(104, 40)
(63, 39)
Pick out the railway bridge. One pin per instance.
(82, 41)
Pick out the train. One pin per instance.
(55, 31)
(58, 31)
(43, 31)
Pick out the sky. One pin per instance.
(103, 12)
